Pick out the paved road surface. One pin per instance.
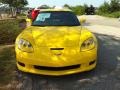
(105, 77)
(99, 20)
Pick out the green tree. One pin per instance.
(67, 6)
(115, 5)
(105, 7)
(111, 7)
(15, 4)
(44, 7)
(79, 10)
(85, 6)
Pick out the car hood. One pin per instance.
(59, 36)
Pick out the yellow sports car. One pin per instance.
(56, 44)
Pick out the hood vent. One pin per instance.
(56, 48)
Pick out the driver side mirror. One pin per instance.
(82, 19)
(28, 22)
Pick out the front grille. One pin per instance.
(57, 68)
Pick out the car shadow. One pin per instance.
(97, 79)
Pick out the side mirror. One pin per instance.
(28, 22)
(82, 19)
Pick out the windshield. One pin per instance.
(56, 18)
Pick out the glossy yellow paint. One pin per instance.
(43, 39)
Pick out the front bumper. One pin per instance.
(31, 69)
(56, 65)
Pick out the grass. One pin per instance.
(7, 64)
(9, 30)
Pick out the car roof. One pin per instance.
(55, 10)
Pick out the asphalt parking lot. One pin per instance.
(106, 76)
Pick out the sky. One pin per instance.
(59, 3)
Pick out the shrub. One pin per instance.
(113, 15)
(9, 29)
(104, 8)
(79, 10)
(111, 9)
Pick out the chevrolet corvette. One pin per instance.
(56, 44)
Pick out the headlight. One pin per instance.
(25, 45)
(88, 44)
